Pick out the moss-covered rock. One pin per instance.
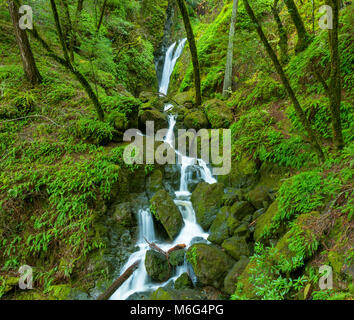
(185, 99)
(154, 182)
(60, 292)
(156, 266)
(239, 211)
(196, 119)
(243, 174)
(231, 278)
(148, 113)
(209, 263)
(176, 257)
(207, 200)
(165, 211)
(236, 247)
(219, 230)
(184, 281)
(218, 113)
(123, 214)
(177, 294)
(259, 197)
(264, 221)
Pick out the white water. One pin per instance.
(139, 281)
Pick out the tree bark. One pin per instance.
(303, 37)
(335, 80)
(230, 51)
(117, 283)
(29, 65)
(68, 30)
(299, 111)
(283, 37)
(193, 50)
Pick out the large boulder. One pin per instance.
(123, 214)
(177, 294)
(176, 257)
(209, 263)
(165, 211)
(184, 282)
(185, 99)
(207, 200)
(154, 182)
(264, 221)
(219, 230)
(236, 247)
(196, 119)
(259, 197)
(218, 113)
(156, 266)
(149, 113)
(239, 211)
(233, 274)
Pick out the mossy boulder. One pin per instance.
(156, 266)
(148, 113)
(177, 294)
(207, 200)
(263, 222)
(238, 211)
(210, 264)
(259, 197)
(60, 292)
(218, 113)
(183, 282)
(176, 257)
(244, 287)
(185, 99)
(196, 119)
(165, 211)
(243, 174)
(154, 182)
(231, 278)
(123, 214)
(219, 230)
(118, 121)
(8, 283)
(236, 247)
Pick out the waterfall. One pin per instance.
(139, 281)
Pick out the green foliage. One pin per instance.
(191, 256)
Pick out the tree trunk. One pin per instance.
(303, 37)
(80, 5)
(102, 15)
(283, 37)
(230, 51)
(193, 50)
(335, 80)
(29, 65)
(300, 113)
(68, 30)
(67, 63)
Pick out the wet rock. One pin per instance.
(219, 230)
(154, 182)
(207, 200)
(232, 195)
(156, 266)
(242, 230)
(184, 282)
(123, 214)
(259, 197)
(176, 257)
(233, 274)
(241, 209)
(196, 119)
(166, 212)
(209, 263)
(236, 247)
(149, 113)
(218, 113)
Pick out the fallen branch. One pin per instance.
(155, 247)
(117, 283)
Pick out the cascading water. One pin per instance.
(139, 281)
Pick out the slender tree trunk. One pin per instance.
(303, 37)
(230, 51)
(68, 30)
(193, 50)
(102, 15)
(335, 80)
(29, 65)
(283, 37)
(67, 63)
(299, 111)
(80, 5)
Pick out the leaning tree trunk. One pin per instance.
(193, 50)
(303, 37)
(283, 37)
(102, 15)
(230, 51)
(335, 80)
(29, 65)
(299, 111)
